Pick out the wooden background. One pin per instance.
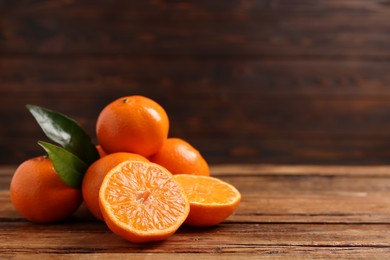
(267, 81)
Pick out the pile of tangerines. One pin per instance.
(143, 185)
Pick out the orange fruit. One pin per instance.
(95, 174)
(179, 157)
(211, 200)
(142, 202)
(38, 193)
(134, 124)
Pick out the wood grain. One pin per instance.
(294, 211)
(84, 238)
(299, 85)
(192, 28)
(261, 253)
(243, 81)
(318, 112)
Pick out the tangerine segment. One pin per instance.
(142, 202)
(211, 200)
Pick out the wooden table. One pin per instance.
(286, 212)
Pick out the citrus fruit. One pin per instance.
(142, 202)
(179, 157)
(134, 124)
(95, 174)
(211, 200)
(38, 193)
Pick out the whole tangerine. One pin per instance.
(38, 193)
(180, 157)
(133, 124)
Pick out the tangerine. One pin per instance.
(38, 193)
(142, 202)
(179, 157)
(133, 124)
(95, 174)
(211, 200)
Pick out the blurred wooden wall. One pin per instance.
(269, 81)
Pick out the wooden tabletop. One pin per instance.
(286, 212)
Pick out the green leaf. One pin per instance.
(68, 166)
(65, 132)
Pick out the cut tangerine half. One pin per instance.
(142, 202)
(95, 174)
(211, 200)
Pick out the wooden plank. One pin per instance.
(262, 252)
(295, 150)
(372, 172)
(350, 6)
(270, 77)
(240, 28)
(89, 238)
(345, 207)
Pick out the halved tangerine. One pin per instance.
(142, 202)
(211, 200)
(95, 174)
